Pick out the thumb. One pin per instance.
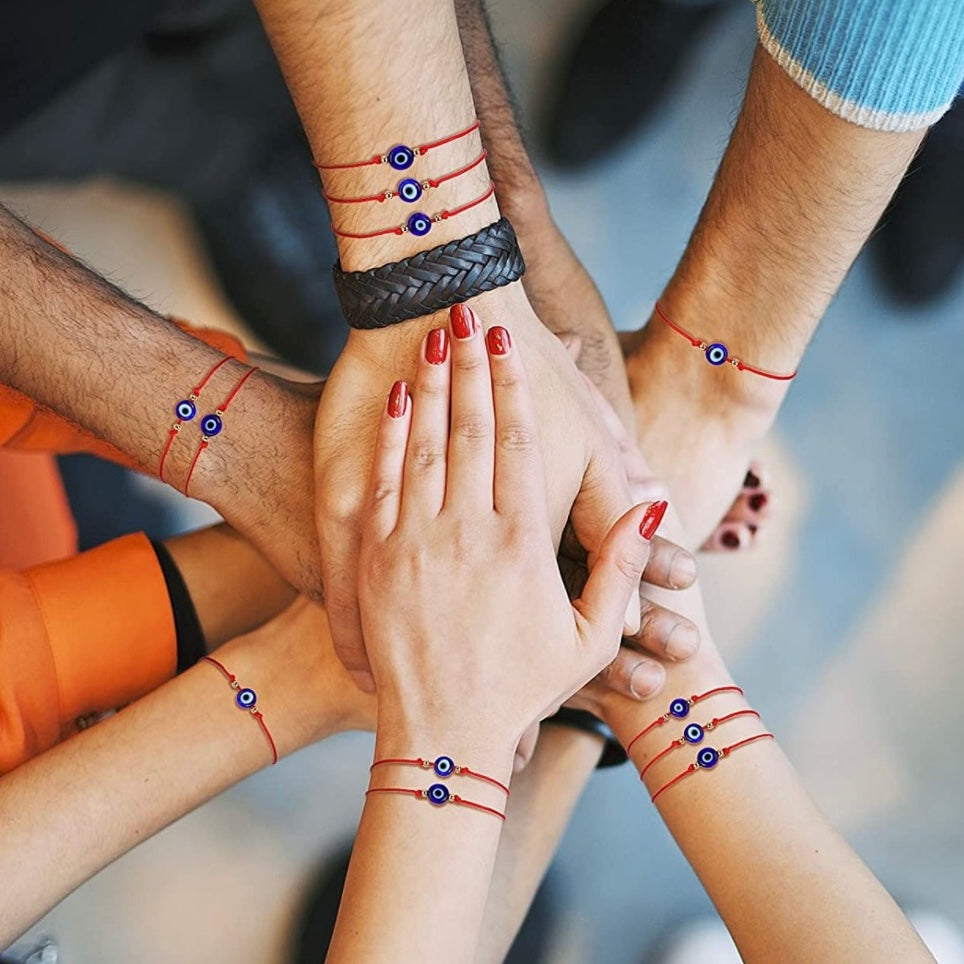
(614, 578)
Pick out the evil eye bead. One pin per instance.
(444, 766)
(246, 698)
(707, 758)
(419, 224)
(716, 354)
(693, 733)
(438, 794)
(211, 425)
(401, 157)
(679, 708)
(185, 410)
(409, 190)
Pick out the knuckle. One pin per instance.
(340, 504)
(472, 429)
(468, 361)
(426, 452)
(516, 437)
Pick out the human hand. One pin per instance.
(479, 639)
(582, 461)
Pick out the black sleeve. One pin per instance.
(191, 645)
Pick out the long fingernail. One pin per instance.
(683, 641)
(758, 501)
(751, 480)
(437, 346)
(464, 324)
(398, 400)
(498, 341)
(652, 519)
(646, 679)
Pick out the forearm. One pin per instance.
(71, 811)
(787, 886)
(544, 796)
(85, 350)
(561, 291)
(232, 586)
(439, 858)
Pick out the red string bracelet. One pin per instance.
(211, 425)
(247, 700)
(694, 734)
(408, 190)
(419, 224)
(185, 410)
(717, 353)
(438, 795)
(400, 156)
(443, 766)
(707, 758)
(679, 709)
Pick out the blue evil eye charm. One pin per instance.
(185, 410)
(419, 224)
(401, 157)
(211, 425)
(679, 708)
(438, 794)
(444, 766)
(716, 354)
(693, 733)
(707, 758)
(246, 698)
(409, 190)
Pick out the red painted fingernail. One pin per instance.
(652, 519)
(463, 321)
(498, 341)
(398, 400)
(751, 480)
(437, 346)
(758, 501)
(730, 539)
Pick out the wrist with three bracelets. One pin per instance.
(694, 734)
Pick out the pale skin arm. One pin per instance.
(84, 349)
(73, 810)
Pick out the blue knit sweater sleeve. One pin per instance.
(892, 65)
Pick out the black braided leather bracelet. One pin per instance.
(431, 280)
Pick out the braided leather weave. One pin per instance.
(430, 280)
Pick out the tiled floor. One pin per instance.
(845, 626)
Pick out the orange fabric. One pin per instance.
(36, 524)
(27, 426)
(80, 636)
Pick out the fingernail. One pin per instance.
(652, 519)
(398, 400)
(758, 501)
(646, 679)
(683, 641)
(682, 571)
(751, 480)
(463, 322)
(498, 341)
(437, 346)
(730, 539)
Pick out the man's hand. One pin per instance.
(582, 461)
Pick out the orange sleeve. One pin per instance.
(27, 426)
(80, 636)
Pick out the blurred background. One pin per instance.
(851, 606)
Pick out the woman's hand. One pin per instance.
(468, 626)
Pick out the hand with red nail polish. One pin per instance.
(456, 534)
(745, 521)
